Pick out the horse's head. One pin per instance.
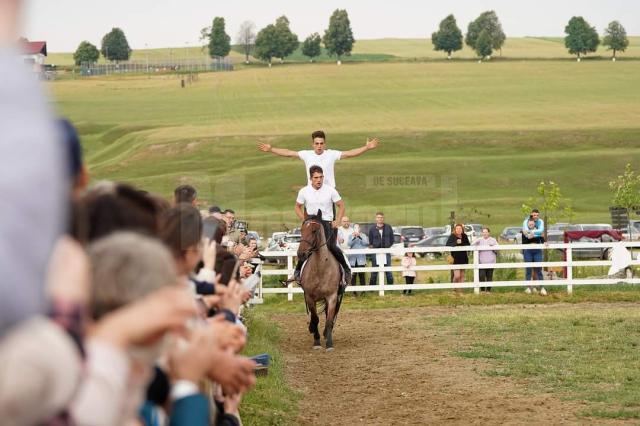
(312, 233)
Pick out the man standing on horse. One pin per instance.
(316, 198)
(320, 156)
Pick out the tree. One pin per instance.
(581, 37)
(553, 205)
(266, 44)
(615, 38)
(115, 46)
(286, 41)
(626, 191)
(246, 38)
(219, 40)
(448, 38)
(486, 21)
(86, 52)
(483, 45)
(311, 46)
(338, 38)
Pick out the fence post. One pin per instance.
(289, 268)
(381, 276)
(476, 271)
(569, 270)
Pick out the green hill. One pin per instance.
(475, 135)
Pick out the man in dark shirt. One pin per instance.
(381, 236)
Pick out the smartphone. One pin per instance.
(230, 267)
(209, 229)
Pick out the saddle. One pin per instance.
(343, 276)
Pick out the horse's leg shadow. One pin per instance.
(313, 323)
(331, 314)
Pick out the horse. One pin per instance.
(320, 280)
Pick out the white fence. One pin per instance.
(567, 281)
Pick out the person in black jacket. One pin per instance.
(458, 239)
(381, 236)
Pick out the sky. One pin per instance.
(177, 23)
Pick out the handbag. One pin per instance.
(450, 259)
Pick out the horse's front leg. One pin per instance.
(332, 302)
(313, 322)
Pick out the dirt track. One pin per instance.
(385, 370)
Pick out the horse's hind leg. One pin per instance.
(313, 323)
(331, 314)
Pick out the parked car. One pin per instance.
(436, 230)
(398, 245)
(635, 230)
(476, 230)
(291, 242)
(409, 234)
(276, 237)
(510, 233)
(559, 226)
(433, 241)
(282, 241)
(583, 253)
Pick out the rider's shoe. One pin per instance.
(293, 279)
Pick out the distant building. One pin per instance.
(34, 53)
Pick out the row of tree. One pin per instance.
(115, 47)
(485, 35)
(278, 41)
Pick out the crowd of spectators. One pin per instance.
(117, 306)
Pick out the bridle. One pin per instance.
(313, 245)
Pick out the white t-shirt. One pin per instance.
(319, 199)
(326, 160)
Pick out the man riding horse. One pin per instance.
(318, 199)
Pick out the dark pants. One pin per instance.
(374, 275)
(358, 275)
(533, 255)
(408, 280)
(331, 238)
(486, 275)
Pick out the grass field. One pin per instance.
(579, 349)
(481, 135)
(585, 355)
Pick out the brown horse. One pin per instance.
(320, 279)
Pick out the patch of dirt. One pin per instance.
(386, 371)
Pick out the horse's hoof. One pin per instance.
(330, 349)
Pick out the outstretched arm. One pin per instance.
(371, 144)
(265, 147)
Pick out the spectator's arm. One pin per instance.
(451, 241)
(539, 232)
(365, 240)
